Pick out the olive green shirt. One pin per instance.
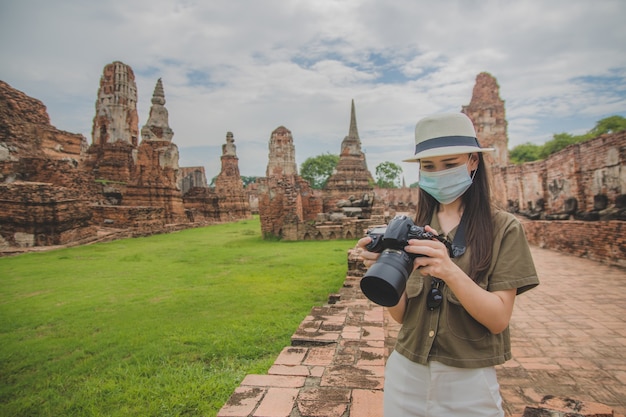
(448, 334)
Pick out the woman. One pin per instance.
(455, 312)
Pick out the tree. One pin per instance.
(525, 152)
(317, 169)
(388, 175)
(559, 141)
(248, 180)
(609, 125)
(528, 152)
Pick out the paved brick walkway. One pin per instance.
(568, 338)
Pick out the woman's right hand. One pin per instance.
(369, 258)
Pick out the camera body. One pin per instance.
(396, 235)
(385, 281)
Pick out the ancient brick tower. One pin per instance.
(154, 180)
(233, 200)
(282, 156)
(115, 126)
(486, 109)
(351, 179)
(286, 200)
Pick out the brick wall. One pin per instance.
(603, 241)
(581, 171)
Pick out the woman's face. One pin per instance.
(439, 163)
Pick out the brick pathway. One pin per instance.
(568, 338)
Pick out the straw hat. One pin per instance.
(445, 134)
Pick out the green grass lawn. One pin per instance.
(166, 325)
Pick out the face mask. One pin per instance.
(447, 185)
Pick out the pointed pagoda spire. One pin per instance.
(353, 132)
(158, 97)
(351, 144)
(157, 127)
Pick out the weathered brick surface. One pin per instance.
(603, 241)
(568, 336)
(154, 181)
(40, 214)
(486, 110)
(116, 117)
(582, 171)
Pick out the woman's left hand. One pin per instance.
(436, 260)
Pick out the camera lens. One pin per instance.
(385, 281)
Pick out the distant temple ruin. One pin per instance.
(352, 183)
(286, 200)
(56, 189)
(290, 209)
(113, 153)
(154, 180)
(234, 203)
(584, 181)
(580, 183)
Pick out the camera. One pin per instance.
(385, 281)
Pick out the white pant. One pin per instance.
(438, 390)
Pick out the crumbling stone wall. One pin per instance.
(29, 143)
(399, 200)
(603, 241)
(584, 181)
(42, 214)
(286, 204)
(39, 165)
(189, 177)
(202, 204)
(141, 219)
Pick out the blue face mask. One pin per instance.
(447, 185)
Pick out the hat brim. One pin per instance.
(445, 151)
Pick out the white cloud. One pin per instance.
(249, 66)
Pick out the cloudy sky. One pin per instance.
(249, 66)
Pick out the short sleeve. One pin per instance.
(512, 262)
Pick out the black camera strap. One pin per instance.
(458, 243)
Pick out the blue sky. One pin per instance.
(249, 66)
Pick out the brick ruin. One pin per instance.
(58, 190)
(115, 131)
(559, 195)
(290, 209)
(580, 183)
(39, 167)
(350, 189)
(228, 201)
(286, 200)
(584, 181)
